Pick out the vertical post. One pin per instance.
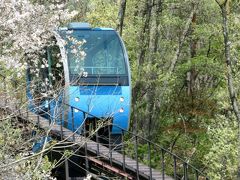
(49, 113)
(97, 144)
(196, 174)
(38, 123)
(85, 145)
(149, 159)
(19, 108)
(136, 153)
(38, 112)
(175, 167)
(109, 143)
(123, 152)
(185, 170)
(16, 99)
(84, 124)
(61, 121)
(72, 113)
(27, 111)
(15, 87)
(163, 165)
(66, 169)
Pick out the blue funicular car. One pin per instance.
(95, 79)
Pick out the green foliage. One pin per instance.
(15, 144)
(222, 157)
(102, 13)
(27, 170)
(204, 66)
(9, 138)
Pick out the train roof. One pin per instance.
(83, 26)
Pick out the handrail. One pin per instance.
(81, 110)
(137, 137)
(157, 145)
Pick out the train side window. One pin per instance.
(37, 75)
(116, 56)
(45, 76)
(55, 68)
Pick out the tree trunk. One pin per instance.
(121, 15)
(151, 93)
(144, 36)
(231, 89)
(182, 39)
(144, 42)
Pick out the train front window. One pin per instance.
(95, 53)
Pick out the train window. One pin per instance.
(37, 75)
(46, 75)
(55, 68)
(95, 52)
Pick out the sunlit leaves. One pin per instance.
(222, 158)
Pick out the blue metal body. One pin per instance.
(101, 100)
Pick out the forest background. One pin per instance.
(185, 60)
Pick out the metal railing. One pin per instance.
(169, 163)
(153, 156)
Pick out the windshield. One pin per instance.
(95, 53)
